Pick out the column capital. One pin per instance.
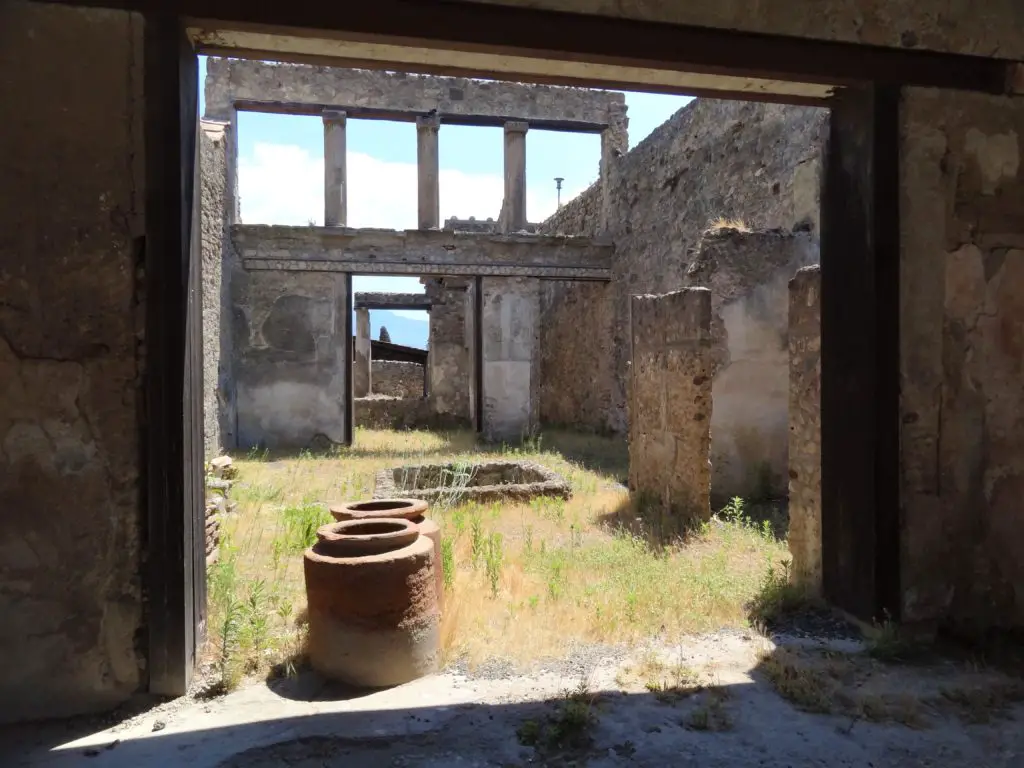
(428, 121)
(335, 116)
(517, 126)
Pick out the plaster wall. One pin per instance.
(759, 163)
(509, 317)
(290, 357)
(72, 359)
(748, 274)
(805, 428)
(669, 435)
(962, 358)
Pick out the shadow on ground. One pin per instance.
(801, 704)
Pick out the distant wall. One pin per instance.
(396, 379)
(737, 160)
(72, 360)
(748, 274)
(291, 357)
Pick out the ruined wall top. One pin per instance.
(308, 89)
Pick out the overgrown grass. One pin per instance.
(523, 580)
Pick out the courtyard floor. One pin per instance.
(574, 635)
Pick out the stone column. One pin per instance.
(361, 384)
(510, 318)
(614, 144)
(514, 207)
(427, 163)
(335, 174)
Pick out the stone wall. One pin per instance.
(805, 428)
(291, 353)
(748, 274)
(396, 379)
(669, 434)
(962, 357)
(216, 204)
(382, 412)
(713, 159)
(71, 360)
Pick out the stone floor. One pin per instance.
(456, 719)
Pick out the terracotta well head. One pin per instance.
(405, 509)
(365, 536)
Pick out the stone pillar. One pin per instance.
(670, 409)
(805, 429)
(514, 206)
(511, 355)
(427, 163)
(361, 383)
(614, 144)
(335, 173)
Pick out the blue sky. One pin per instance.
(281, 170)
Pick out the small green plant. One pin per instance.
(493, 561)
(776, 596)
(258, 453)
(448, 563)
(255, 611)
(570, 727)
(888, 643)
(733, 512)
(300, 524)
(712, 715)
(528, 540)
(477, 542)
(229, 628)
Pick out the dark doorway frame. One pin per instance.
(861, 184)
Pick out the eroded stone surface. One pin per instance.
(748, 275)
(759, 163)
(962, 359)
(805, 428)
(397, 379)
(72, 360)
(670, 412)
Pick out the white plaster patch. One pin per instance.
(998, 156)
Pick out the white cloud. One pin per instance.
(283, 184)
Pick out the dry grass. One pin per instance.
(725, 223)
(560, 573)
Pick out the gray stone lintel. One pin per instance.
(303, 89)
(421, 252)
(375, 300)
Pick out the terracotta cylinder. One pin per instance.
(414, 510)
(373, 616)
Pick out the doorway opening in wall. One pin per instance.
(527, 580)
(390, 351)
(528, 337)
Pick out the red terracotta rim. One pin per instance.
(405, 509)
(365, 536)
